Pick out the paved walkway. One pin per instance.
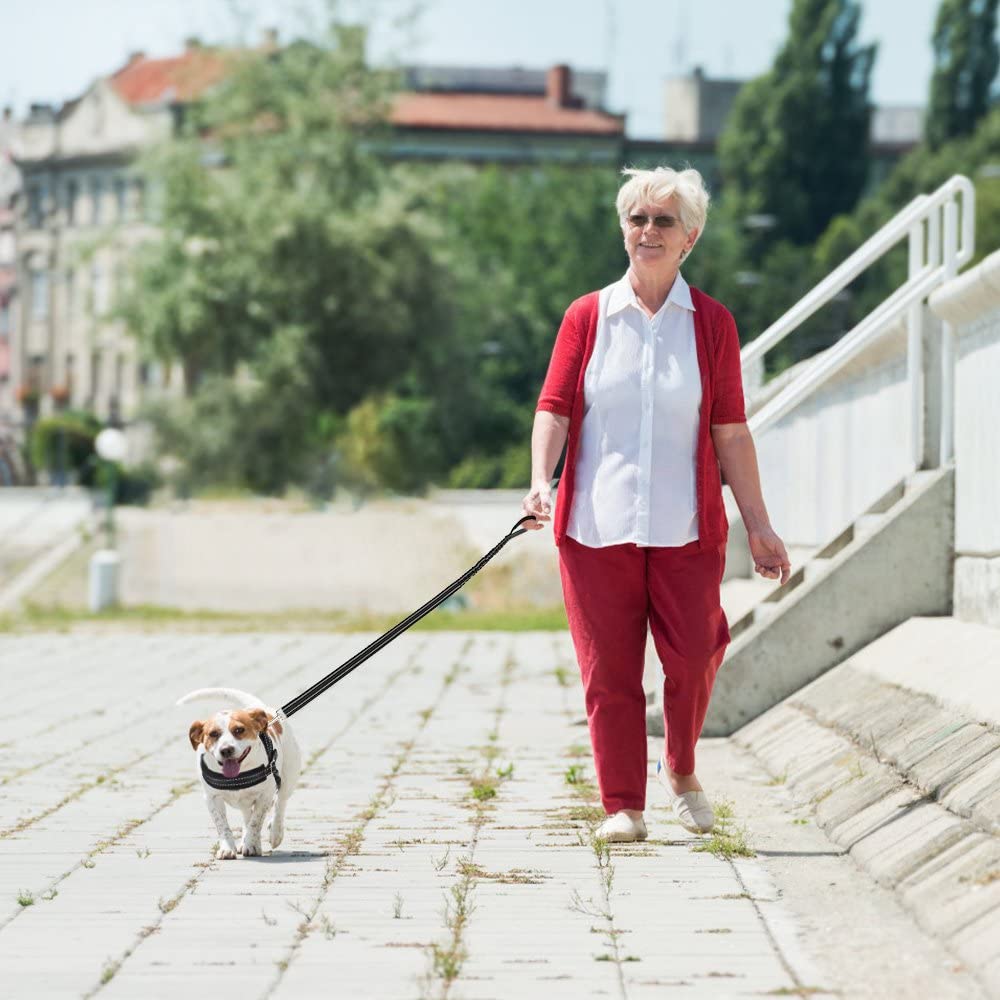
(395, 880)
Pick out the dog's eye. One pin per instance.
(238, 731)
(214, 734)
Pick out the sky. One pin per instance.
(51, 50)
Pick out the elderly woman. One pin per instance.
(644, 389)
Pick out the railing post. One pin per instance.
(950, 251)
(914, 351)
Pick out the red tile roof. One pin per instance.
(499, 112)
(179, 78)
(187, 77)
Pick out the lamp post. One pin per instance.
(105, 563)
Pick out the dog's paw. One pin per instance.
(249, 850)
(275, 834)
(225, 853)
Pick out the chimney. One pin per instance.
(557, 86)
(269, 40)
(135, 57)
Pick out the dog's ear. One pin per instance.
(195, 734)
(260, 719)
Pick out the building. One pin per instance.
(696, 108)
(83, 209)
(504, 116)
(10, 182)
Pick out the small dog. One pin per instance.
(229, 742)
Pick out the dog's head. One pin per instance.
(229, 736)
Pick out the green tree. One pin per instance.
(294, 276)
(795, 147)
(966, 58)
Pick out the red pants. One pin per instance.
(611, 594)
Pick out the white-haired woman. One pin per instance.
(644, 390)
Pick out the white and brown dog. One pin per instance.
(247, 759)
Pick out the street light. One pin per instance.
(110, 446)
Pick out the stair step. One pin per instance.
(867, 524)
(918, 480)
(815, 568)
(763, 611)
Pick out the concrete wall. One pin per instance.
(971, 303)
(833, 456)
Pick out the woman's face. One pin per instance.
(654, 235)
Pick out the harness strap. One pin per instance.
(248, 778)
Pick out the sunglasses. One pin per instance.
(639, 221)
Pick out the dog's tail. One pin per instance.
(241, 699)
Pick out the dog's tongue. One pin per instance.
(230, 768)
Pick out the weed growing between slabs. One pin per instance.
(727, 840)
(446, 958)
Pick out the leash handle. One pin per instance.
(303, 699)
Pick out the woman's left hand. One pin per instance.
(770, 559)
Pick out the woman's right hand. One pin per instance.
(538, 503)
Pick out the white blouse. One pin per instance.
(635, 464)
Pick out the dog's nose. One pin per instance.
(227, 751)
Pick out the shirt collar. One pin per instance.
(623, 295)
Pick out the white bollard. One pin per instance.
(104, 569)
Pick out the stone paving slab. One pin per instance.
(394, 880)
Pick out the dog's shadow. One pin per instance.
(285, 857)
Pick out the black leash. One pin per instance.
(300, 701)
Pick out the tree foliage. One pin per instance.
(966, 59)
(795, 147)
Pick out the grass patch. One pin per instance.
(25, 898)
(150, 617)
(727, 840)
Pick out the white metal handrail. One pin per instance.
(922, 210)
(847, 348)
(938, 247)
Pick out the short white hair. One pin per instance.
(657, 185)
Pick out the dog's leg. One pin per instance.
(276, 831)
(253, 820)
(227, 843)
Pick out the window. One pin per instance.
(5, 321)
(140, 198)
(95, 375)
(96, 194)
(70, 293)
(34, 206)
(99, 290)
(120, 192)
(72, 193)
(39, 294)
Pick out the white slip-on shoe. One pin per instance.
(691, 809)
(622, 829)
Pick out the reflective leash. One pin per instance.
(303, 699)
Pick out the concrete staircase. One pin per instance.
(893, 563)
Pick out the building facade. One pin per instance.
(82, 211)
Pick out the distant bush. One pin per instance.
(65, 442)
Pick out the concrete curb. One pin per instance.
(908, 787)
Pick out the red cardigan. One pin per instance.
(718, 348)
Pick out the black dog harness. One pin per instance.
(249, 778)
